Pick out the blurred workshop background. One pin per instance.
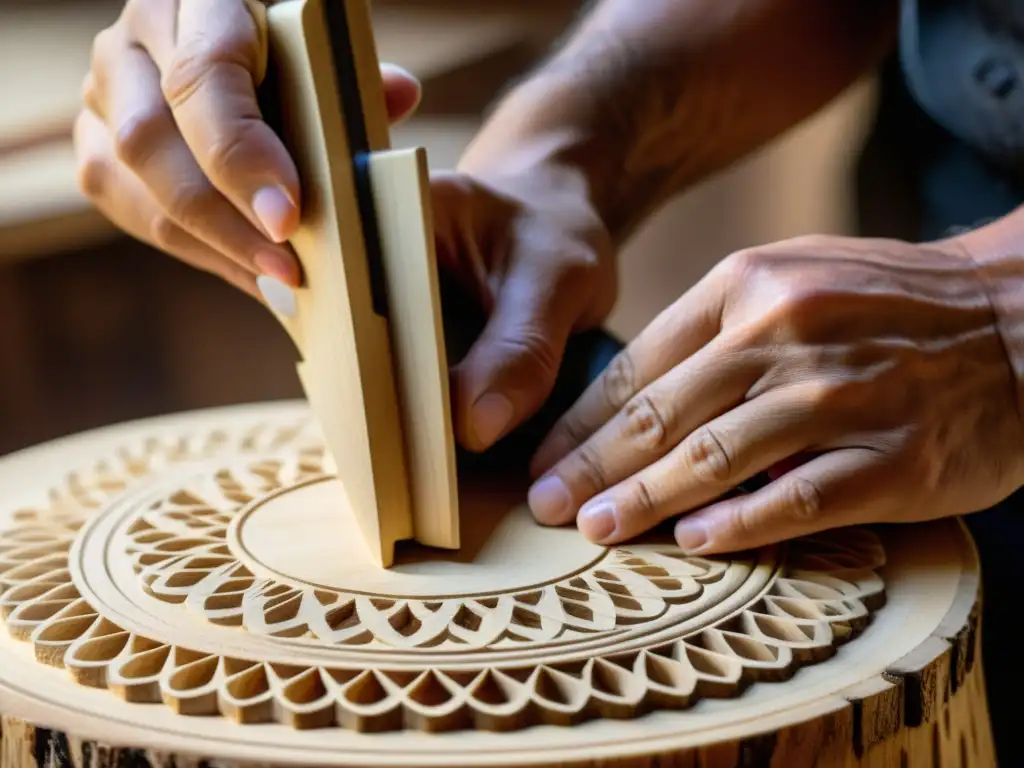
(96, 328)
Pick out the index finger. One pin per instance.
(209, 80)
(673, 336)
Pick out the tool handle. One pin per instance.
(367, 320)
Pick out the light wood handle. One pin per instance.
(401, 189)
(367, 320)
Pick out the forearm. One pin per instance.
(647, 97)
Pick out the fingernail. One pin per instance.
(597, 521)
(394, 70)
(387, 68)
(275, 211)
(279, 297)
(549, 500)
(691, 535)
(492, 414)
(275, 265)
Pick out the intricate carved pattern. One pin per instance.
(820, 598)
(180, 552)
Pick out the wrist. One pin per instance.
(997, 250)
(541, 137)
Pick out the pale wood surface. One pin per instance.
(401, 190)
(174, 575)
(386, 363)
(347, 365)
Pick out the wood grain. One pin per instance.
(373, 365)
(347, 367)
(855, 648)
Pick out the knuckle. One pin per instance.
(189, 203)
(822, 395)
(800, 304)
(799, 312)
(801, 500)
(92, 176)
(572, 428)
(645, 422)
(579, 263)
(618, 383)
(640, 499)
(589, 469)
(535, 352)
(739, 266)
(184, 76)
(226, 148)
(752, 345)
(743, 523)
(136, 138)
(164, 232)
(579, 271)
(791, 298)
(838, 397)
(706, 457)
(195, 61)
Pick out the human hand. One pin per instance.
(529, 250)
(870, 374)
(171, 145)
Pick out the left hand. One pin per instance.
(171, 145)
(870, 374)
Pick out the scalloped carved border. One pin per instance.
(822, 598)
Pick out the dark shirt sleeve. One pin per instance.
(963, 61)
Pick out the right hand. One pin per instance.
(525, 242)
(172, 149)
(171, 146)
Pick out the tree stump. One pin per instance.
(186, 591)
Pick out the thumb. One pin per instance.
(511, 369)
(402, 92)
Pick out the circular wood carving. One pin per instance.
(182, 576)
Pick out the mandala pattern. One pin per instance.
(180, 552)
(820, 596)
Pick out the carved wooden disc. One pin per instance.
(192, 586)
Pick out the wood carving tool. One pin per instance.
(194, 590)
(367, 319)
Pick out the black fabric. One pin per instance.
(916, 181)
(963, 61)
(945, 156)
(586, 355)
